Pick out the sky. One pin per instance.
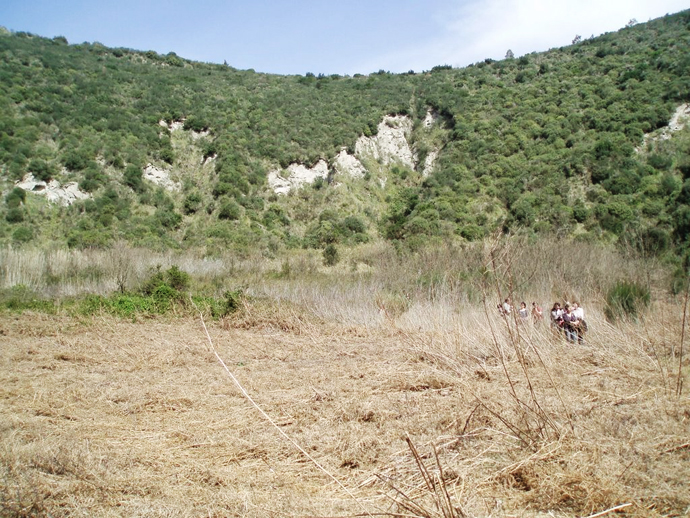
(331, 36)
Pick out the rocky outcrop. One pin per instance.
(179, 125)
(347, 164)
(54, 192)
(430, 119)
(390, 145)
(429, 162)
(173, 126)
(297, 176)
(160, 177)
(679, 119)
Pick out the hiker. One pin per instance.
(571, 324)
(557, 317)
(537, 313)
(524, 314)
(507, 307)
(579, 312)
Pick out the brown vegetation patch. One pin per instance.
(104, 417)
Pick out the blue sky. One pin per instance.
(330, 36)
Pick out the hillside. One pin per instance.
(163, 152)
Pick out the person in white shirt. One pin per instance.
(578, 311)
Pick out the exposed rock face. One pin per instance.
(390, 144)
(680, 118)
(678, 121)
(348, 164)
(54, 192)
(430, 119)
(429, 162)
(173, 126)
(298, 175)
(178, 125)
(160, 177)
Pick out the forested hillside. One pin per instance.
(571, 141)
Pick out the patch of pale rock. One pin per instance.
(390, 144)
(173, 126)
(160, 177)
(429, 162)
(430, 119)
(348, 164)
(678, 121)
(297, 176)
(54, 192)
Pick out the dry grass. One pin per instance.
(109, 418)
(394, 373)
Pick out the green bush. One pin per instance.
(192, 203)
(15, 198)
(121, 305)
(41, 170)
(133, 178)
(164, 295)
(172, 278)
(75, 160)
(178, 279)
(233, 301)
(15, 215)
(626, 299)
(230, 210)
(194, 123)
(331, 257)
(21, 298)
(22, 235)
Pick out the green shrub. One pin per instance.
(41, 170)
(23, 235)
(331, 257)
(230, 210)
(233, 301)
(660, 162)
(22, 298)
(194, 123)
(122, 305)
(626, 299)
(133, 178)
(75, 160)
(192, 203)
(163, 296)
(15, 198)
(15, 215)
(173, 278)
(167, 218)
(178, 279)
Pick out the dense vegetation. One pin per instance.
(552, 142)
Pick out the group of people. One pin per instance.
(568, 320)
(536, 312)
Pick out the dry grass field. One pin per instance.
(385, 386)
(106, 417)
